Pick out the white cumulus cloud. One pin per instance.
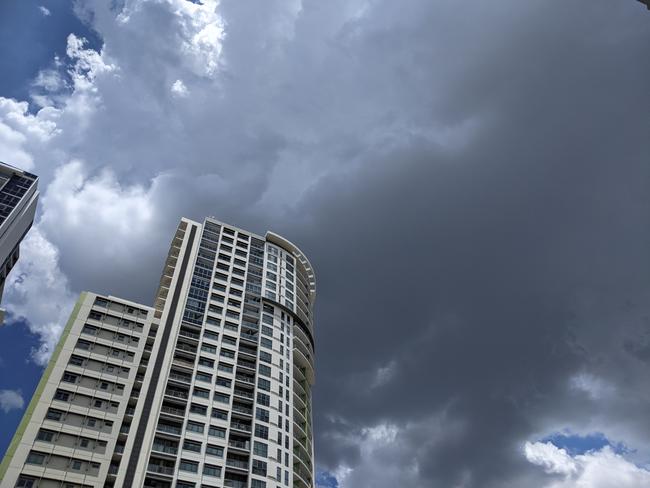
(44, 10)
(11, 400)
(594, 469)
(179, 89)
(38, 292)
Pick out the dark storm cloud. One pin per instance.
(467, 268)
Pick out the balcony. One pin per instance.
(172, 411)
(181, 346)
(191, 335)
(242, 409)
(249, 337)
(177, 394)
(169, 429)
(229, 483)
(243, 445)
(243, 393)
(180, 377)
(183, 363)
(238, 464)
(240, 426)
(158, 469)
(164, 448)
(250, 380)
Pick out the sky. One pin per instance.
(470, 180)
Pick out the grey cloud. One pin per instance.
(471, 183)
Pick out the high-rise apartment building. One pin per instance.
(210, 387)
(18, 197)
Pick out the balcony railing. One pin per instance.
(167, 470)
(243, 393)
(237, 464)
(239, 444)
(185, 347)
(180, 377)
(177, 394)
(234, 483)
(240, 426)
(169, 429)
(173, 411)
(164, 448)
(186, 333)
(245, 379)
(240, 409)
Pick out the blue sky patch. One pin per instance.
(576, 444)
(324, 479)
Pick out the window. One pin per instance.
(201, 393)
(61, 395)
(217, 432)
(35, 458)
(219, 414)
(25, 482)
(69, 377)
(266, 330)
(76, 360)
(75, 464)
(225, 367)
(263, 384)
(192, 446)
(265, 356)
(262, 414)
(89, 329)
(213, 336)
(266, 342)
(210, 470)
(204, 377)
(264, 370)
(45, 435)
(261, 431)
(267, 319)
(184, 484)
(198, 409)
(260, 449)
(229, 340)
(208, 348)
(54, 414)
(84, 442)
(227, 353)
(195, 427)
(258, 484)
(221, 398)
(225, 382)
(214, 450)
(259, 467)
(263, 399)
(208, 363)
(189, 466)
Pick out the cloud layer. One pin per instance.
(471, 183)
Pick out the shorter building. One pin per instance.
(18, 197)
(209, 388)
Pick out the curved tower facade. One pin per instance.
(210, 387)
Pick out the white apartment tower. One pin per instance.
(210, 387)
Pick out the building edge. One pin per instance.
(36, 397)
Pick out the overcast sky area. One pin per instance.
(471, 181)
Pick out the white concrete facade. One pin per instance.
(225, 396)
